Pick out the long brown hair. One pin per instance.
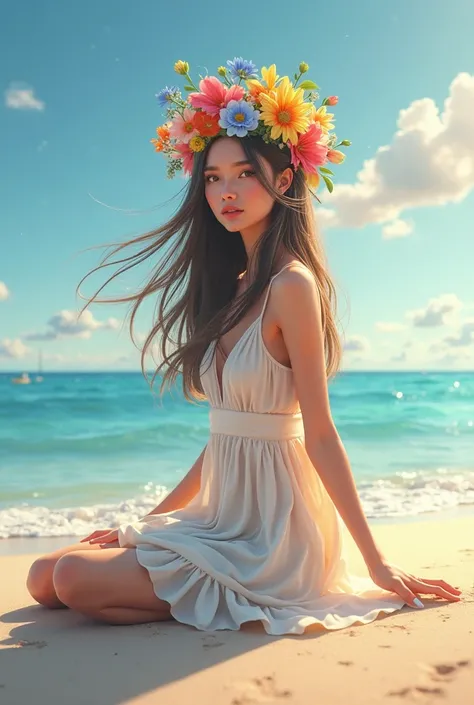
(197, 279)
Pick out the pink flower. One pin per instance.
(332, 100)
(308, 152)
(182, 127)
(187, 155)
(214, 95)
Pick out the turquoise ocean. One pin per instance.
(80, 451)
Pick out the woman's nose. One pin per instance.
(227, 194)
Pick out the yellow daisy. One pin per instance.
(322, 117)
(196, 144)
(285, 111)
(256, 88)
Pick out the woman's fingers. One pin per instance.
(96, 534)
(107, 538)
(443, 584)
(91, 536)
(434, 587)
(406, 594)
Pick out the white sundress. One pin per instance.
(262, 539)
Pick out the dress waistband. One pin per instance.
(247, 424)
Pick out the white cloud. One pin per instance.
(13, 348)
(389, 327)
(396, 229)
(66, 324)
(356, 343)
(436, 312)
(4, 293)
(465, 335)
(430, 162)
(22, 98)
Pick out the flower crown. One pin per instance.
(276, 109)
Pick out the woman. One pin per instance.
(253, 532)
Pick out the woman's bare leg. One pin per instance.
(109, 586)
(40, 577)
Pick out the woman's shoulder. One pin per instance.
(296, 296)
(295, 285)
(294, 274)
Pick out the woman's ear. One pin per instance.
(285, 180)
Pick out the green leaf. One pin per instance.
(323, 170)
(188, 88)
(296, 77)
(308, 85)
(329, 183)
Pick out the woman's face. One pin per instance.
(235, 195)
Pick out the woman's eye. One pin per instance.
(211, 177)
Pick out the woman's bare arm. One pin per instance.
(299, 310)
(300, 320)
(184, 492)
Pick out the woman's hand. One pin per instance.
(390, 577)
(102, 536)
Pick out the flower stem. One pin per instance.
(191, 82)
(181, 104)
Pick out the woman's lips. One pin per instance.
(232, 214)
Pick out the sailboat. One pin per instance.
(26, 379)
(23, 379)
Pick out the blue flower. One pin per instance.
(165, 96)
(238, 118)
(240, 68)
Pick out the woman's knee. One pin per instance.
(66, 578)
(39, 582)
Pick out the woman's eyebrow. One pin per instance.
(216, 168)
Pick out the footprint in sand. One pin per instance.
(260, 690)
(36, 644)
(444, 671)
(441, 672)
(210, 642)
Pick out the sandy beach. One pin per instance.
(422, 656)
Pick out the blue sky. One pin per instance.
(78, 110)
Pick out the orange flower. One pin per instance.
(163, 133)
(158, 144)
(313, 180)
(335, 156)
(207, 125)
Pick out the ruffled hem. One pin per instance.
(201, 601)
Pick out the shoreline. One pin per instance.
(38, 545)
